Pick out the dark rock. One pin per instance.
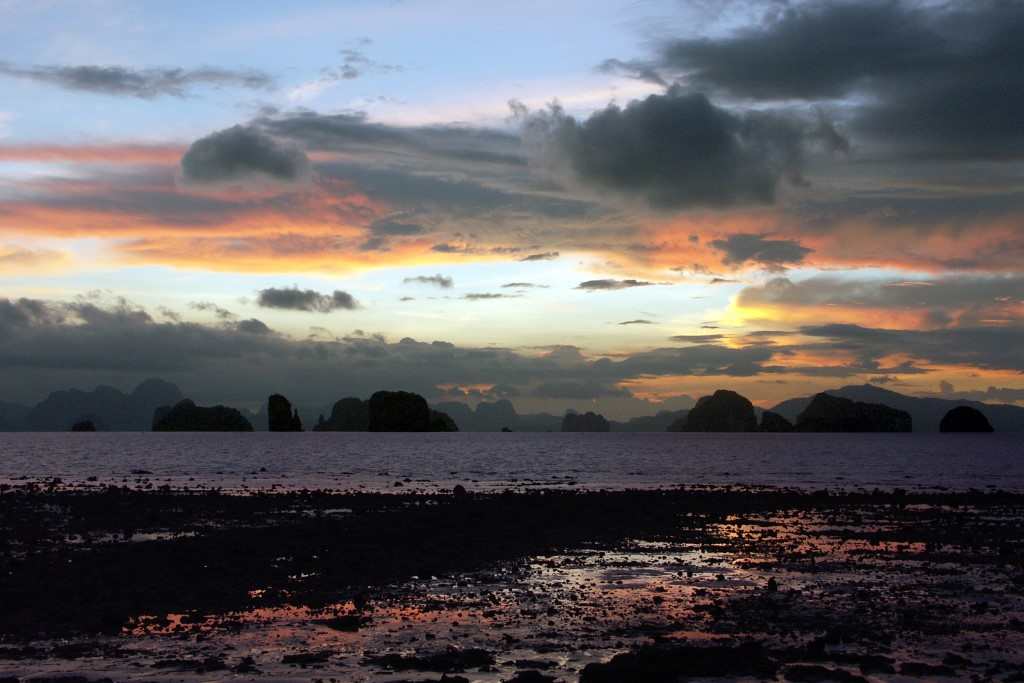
(664, 663)
(280, 415)
(926, 413)
(83, 426)
(399, 411)
(307, 658)
(441, 422)
(246, 666)
(876, 664)
(723, 411)
(530, 677)
(491, 417)
(965, 419)
(186, 416)
(814, 673)
(773, 422)
(827, 413)
(347, 415)
(587, 422)
(506, 430)
(494, 416)
(923, 669)
(460, 491)
(659, 422)
(452, 659)
(346, 622)
(196, 665)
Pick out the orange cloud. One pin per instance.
(93, 154)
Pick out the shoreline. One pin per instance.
(361, 585)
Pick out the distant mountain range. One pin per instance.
(113, 410)
(925, 412)
(108, 408)
(497, 415)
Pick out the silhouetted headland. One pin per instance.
(585, 422)
(348, 415)
(113, 410)
(773, 422)
(386, 411)
(280, 415)
(965, 419)
(186, 416)
(828, 413)
(723, 411)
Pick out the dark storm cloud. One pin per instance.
(581, 391)
(387, 227)
(609, 284)
(310, 300)
(253, 326)
(232, 358)
(634, 68)
(415, 191)
(991, 394)
(50, 345)
(345, 132)
(740, 249)
(545, 256)
(375, 244)
(678, 150)
(356, 63)
(486, 296)
(210, 307)
(697, 338)
(992, 348)
(949, 292)
(242, 153)
(140, 83)
(933, 81)
(438, 280)
(522, 285)
(24, 312)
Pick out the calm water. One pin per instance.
(495, 460)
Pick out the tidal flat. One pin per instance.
(102, 582)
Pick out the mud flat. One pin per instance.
(727, 583)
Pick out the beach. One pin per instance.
(133, 583)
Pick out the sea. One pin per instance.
(403, 462)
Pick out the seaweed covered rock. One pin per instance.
(186, 416)
(442, 422)
(827, 413)
(773, 422)
(585, 422)
(280, 415)
(399, 411)
(663, 663)
(965, 419)
(348, 415)
(723, 411)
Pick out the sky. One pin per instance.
(607, 205)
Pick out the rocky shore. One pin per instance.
(542, 586)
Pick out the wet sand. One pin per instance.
(754, 584)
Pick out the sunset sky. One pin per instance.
(603, 204)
